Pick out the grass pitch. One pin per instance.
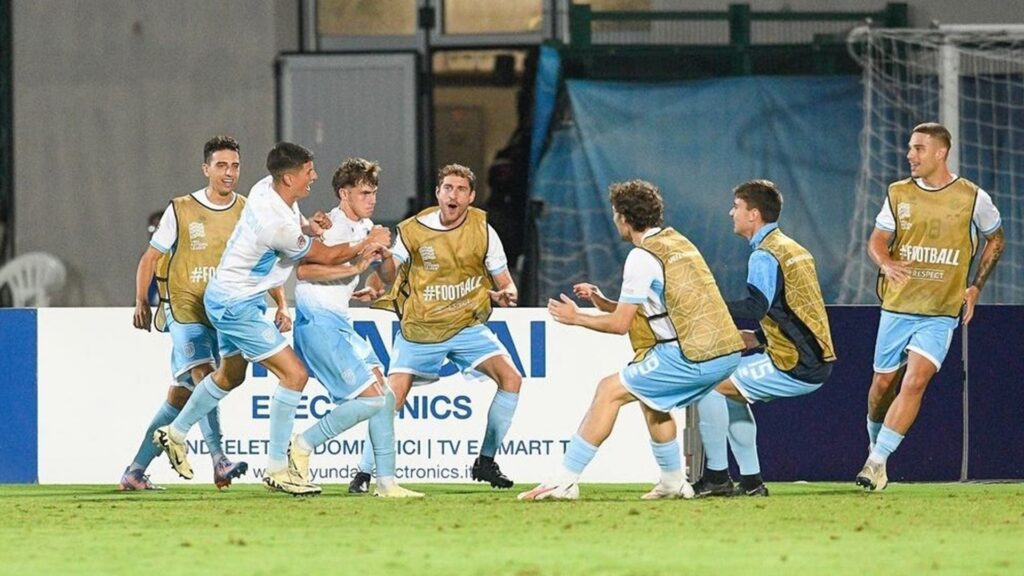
(462, 529)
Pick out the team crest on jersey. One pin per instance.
(903, 213)
(268, 335)
(189, 349)
(429, 258)
(197, 236)
(301, 242)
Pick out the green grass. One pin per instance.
(801, 529)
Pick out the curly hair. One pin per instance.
(639, 202)
(355, 171)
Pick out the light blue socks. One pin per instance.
(667, 456)
(344, 416)
(204, 399)
(578, 454)
(499, 418)
(873, 429)
(743, 437)
(148, 450)
(887, 442)
(713, 413)
(210, 427)
(380, 446)
(282, 417)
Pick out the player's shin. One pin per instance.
(204, 399)
(282, 416)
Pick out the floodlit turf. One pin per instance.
(461, 529)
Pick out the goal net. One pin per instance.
(969, 78)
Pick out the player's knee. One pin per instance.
(298, 377)
(914, 384)
(609, 389)
(510, 381)
(882, 383)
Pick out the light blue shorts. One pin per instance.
(664, 380)
(758, 380)
(929, 336)
(467, 349)
(339, 358)
(194, 345)
(242, 329)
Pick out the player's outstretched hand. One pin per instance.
(563, 310)
(507, 297)
(282, 320)
(367, 294)
(143, 318)
(587, 291)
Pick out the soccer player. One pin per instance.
(923, 243)
(783, 294)
(679, 327)
(325, 338)
(270, 237)
(448, 256)
(186, 245)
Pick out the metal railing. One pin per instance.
(739, 26)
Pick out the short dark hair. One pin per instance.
(763, 195)
(639, 202)
(457, 170)
(286, 157)
(935, 130)
(218, 143)
(355, 171)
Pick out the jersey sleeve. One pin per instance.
(763, 274)
(986, 215)
(398, 250)
(288, 241)
(638, 275)
(496, 261)
(884, 220)
(166, 234)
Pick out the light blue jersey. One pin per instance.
(325, 339)
(263, 249)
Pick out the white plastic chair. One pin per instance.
(33, 278)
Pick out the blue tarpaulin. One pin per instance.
(697, 140)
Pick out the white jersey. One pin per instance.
(263, 249)
(643, 284)
(985, 219)
(166, 235)
(334, 295)
(496, 261)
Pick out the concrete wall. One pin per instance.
(113, 100)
